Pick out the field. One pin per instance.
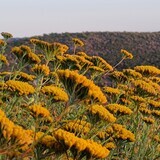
(62, 105)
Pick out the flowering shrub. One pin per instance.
(54, 105)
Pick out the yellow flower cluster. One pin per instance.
(23, 88)
(148, 120)
(120, 109)
(26, 76)
(154, 103)
(54, 48)
(110, 145)
(144, 86)
(120, 132)
(102, 113)
(96, 69)
(96, 150)
(6, 35)
(77, 42)
(55, 93)
(39, 111)
(101, 63)
(15, 132)
(155, 79)
(119, 76)
(156, 113)
(41, 69)
(123, 133)
(116, 131)
(80, 82)
(2, 43)
(59, 48)
(83, 54)
(4, 59)
(70, 61)
(78, 126)
(137, 99)
(110, 90)
(26, 53)
(82, 60)
(127, 54)
(70, 140)
(74, 61)
(157, 138)
(145, 110)
(46, 140)
(147, 70)
(132, 73)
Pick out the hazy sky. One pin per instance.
(35, 17)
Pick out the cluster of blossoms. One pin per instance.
(82, 88)
(55, 93)
(24, 52)
(23, 88)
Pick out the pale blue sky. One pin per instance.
(35, 17)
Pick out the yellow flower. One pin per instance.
(25, 76)
(41, 69)
(117, 108)
(119, 76)
(83, 54)
(147, 70)
(82, 60)
(102, 113)
(156, 113)
(50, 48)
(39, 111)
(120, 132)
(2, 43)
(101, 63)
(76, 127)
(155, 79)
(23, 88)
(6, 126)
(157, 138)
(154, 103)
(110, 145)
(137, 99)
(4, 59)
(78, 42)
(81, 86)
(58, 48)
(70, 140)
(70, 61)
(148, 120)
(144, 86)
(110, 90)
(145, 110)
(47, 140)
(55, 93)
(23, 137)
(132, 73)
(14, 132)
(6, 35)
(26, 53)
(97, 150)
(127, 54)
(96, 69)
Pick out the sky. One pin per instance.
(24, 18)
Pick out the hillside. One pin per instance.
(144, 46)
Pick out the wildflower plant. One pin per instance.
(55, 106)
